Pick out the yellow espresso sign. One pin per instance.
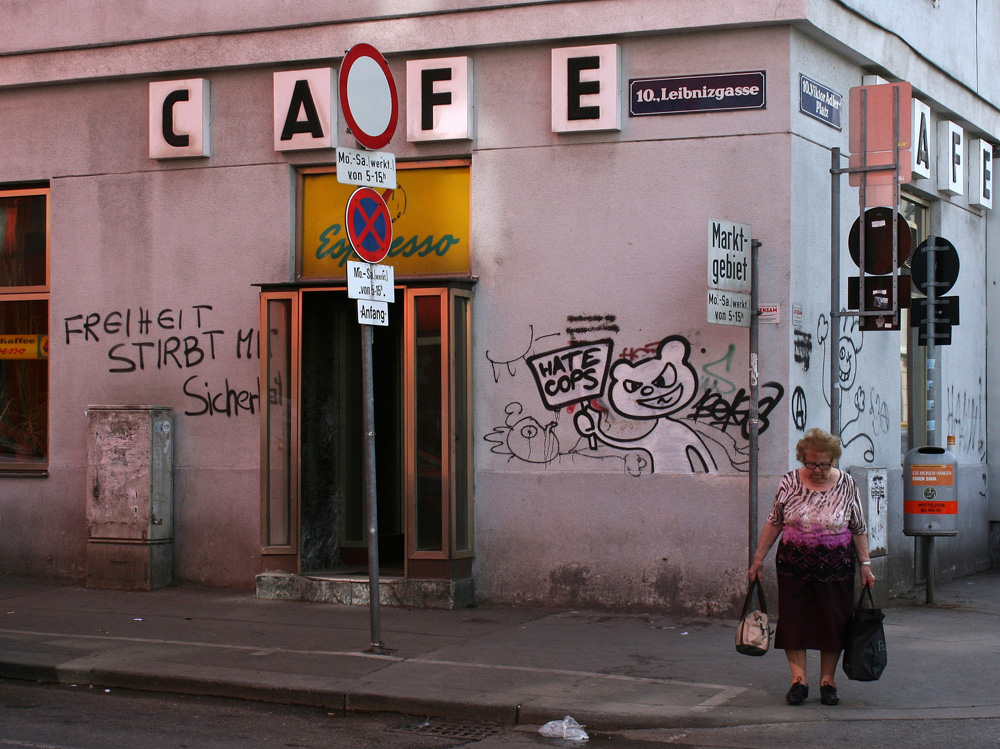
(24, 347)
(430, 223)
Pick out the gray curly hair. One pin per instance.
(818, 441)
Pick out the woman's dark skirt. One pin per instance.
(813, 614)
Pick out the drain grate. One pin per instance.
(450, 730)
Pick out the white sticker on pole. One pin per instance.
(769, 314)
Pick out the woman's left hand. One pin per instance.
(867, 578)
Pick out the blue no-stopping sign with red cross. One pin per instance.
(369, 227)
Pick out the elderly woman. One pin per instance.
(818, 515)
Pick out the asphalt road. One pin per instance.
(38, 716)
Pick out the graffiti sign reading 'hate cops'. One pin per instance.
(573, 374)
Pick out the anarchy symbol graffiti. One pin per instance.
(798, 407)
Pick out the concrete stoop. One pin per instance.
(354, 591)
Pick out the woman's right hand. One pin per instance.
(755, 570)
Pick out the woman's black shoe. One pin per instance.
(828, 694)
(797, 694)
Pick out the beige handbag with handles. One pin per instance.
(753, 637)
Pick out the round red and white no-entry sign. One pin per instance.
(368, 96)
(369, 227)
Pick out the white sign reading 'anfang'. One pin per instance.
(373, 313)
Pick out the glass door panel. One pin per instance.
(312, 505)
(427, 420)
(461, 424)
(334, 519)
(279, 435)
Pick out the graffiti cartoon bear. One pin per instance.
(647, 395)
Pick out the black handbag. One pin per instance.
(865, 655)
(753, 636)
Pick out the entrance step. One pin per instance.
(353, 590)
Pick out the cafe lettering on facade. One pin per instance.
(560, 417)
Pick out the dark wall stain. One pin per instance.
(668, 584)
(567, 584)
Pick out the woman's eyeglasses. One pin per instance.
(818, 466)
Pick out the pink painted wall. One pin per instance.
(607, 227)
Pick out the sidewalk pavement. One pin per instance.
(489, 664)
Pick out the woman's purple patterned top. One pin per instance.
(817, 528)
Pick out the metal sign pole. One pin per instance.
(368, 90)
(754, 394)
(834, 334)
(896, 305)
(931, 356)
(368, 397)
(931, 348)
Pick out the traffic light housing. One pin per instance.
(940, 253)
(946, 314)
(879, 232)
(878, 296)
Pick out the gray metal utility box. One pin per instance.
(130, 497)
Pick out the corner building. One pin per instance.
(562, 400)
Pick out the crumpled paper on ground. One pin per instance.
(567, 728)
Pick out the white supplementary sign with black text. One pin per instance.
(371, 281)
(728, 273)
(366, 168)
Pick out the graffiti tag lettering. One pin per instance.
(228, 401)
(803, 349)
(964, 419)
(714, 409)
(715, 381)
(142, 339)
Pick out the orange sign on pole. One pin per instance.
(874, 121)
